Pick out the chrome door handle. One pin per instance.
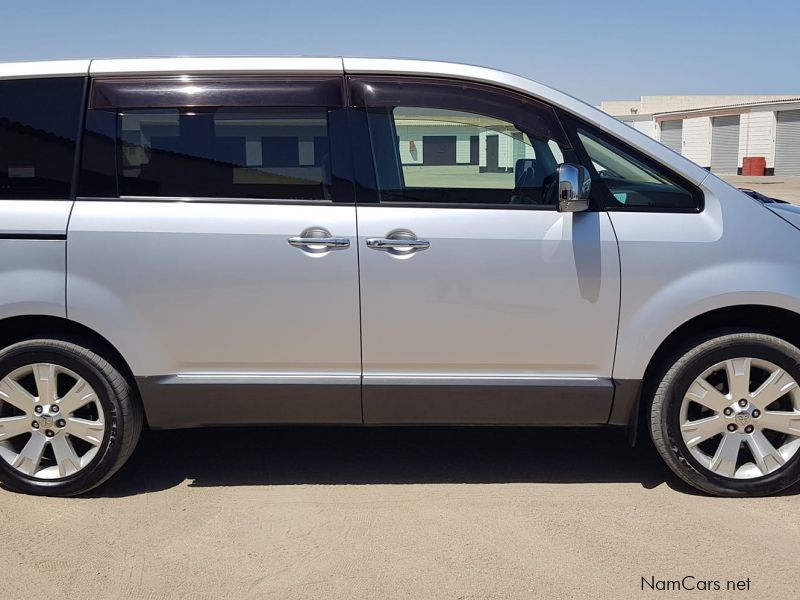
(401, 243)
(333, 243)
(318, 240)
(397, 244)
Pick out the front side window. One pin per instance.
(633, 183)
(224, 153)
(439, 144)
(38, 128)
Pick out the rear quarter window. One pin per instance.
(39, 122)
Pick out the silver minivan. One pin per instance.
(232, 241)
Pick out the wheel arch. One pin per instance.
(779, 322)
(18, 328)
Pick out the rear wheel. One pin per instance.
(726, 416)
(68, 419)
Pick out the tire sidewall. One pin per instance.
(27, 353)
(721, 349)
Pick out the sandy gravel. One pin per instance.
(393, 513)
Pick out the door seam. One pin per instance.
(360, 321)
(619, 316)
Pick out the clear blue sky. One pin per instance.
(606, 49)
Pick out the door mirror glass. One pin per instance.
(574, 185)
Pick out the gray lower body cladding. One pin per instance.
(171, 403)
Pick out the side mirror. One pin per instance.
(574, 185)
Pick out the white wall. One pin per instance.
(415, 133)
(696, 141)
(646, 127)
(659, 104)
(462, 148)
(621, 107)
(508, 148)
(757, 136)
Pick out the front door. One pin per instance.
(480, 303)
(224, 268)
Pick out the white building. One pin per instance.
(718, 132)
(434, 137)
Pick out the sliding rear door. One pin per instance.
(213, 243)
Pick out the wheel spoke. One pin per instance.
(88, 431)
(14, 426)
(776, 385)
(66, 457)
(77, 397)
(738, 370)
(45, 375)
(724, 460)
(16, 395)
(28, 460)
(706, 394)
(695, 432)
(780, 421)
(766, 456)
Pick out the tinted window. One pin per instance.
(39, 121)
(632, 182)
(98, 176)
(439, 143)
(279, 153)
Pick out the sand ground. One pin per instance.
(462, 513)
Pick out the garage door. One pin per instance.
(671, 134)
(725, 144)
(787, 143)
(438, 150)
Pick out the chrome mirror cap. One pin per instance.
(574, 185)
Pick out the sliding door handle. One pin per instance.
(333, 243)
(397, 244)
(402, 243)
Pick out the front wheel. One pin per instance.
(68, 418)
(726, 416)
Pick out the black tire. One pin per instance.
(119, 401)
(664, 417)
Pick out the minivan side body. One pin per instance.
(368, 241)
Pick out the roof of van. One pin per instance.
(338, 65)
(223, 64)
(209, 64)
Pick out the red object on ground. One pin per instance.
(754, 166)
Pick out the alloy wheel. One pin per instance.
(52, 423)
(740, 418)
